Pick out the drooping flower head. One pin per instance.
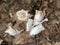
(39, 15)
(11, 31)
(22, 15)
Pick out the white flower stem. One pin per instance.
(46, 19)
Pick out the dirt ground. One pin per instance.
(51, 34)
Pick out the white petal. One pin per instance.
(36, 23)
(36, 30)
(29, 24)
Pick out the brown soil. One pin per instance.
(51, 34)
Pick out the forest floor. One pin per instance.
(51, 34)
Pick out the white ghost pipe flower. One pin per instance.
(22, 15)
(29, 24)
(36, 30)
(11, 31)
(38, 17)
